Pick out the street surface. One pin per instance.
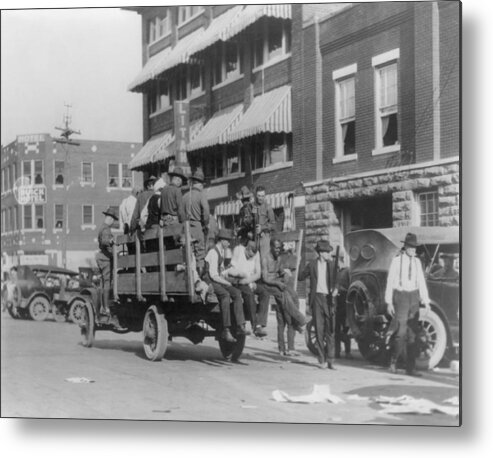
(192, 382)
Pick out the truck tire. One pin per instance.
(232, 351)
(86, 324)
(155, 330)
(435, 333)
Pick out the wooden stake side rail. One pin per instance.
(175, 283)
(173, 257)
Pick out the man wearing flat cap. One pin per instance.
(321, 273)
(406, 287)
(104, 258)
(172, 209)
(197, 212)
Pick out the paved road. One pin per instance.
(192, 383)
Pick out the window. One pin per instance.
(159, 27)
(271, 41)
(187, 12)
(233, 159)
(3, 221)
(87, 172)
(34, 171)
(87, 215)
(386, 102)
(4, 188)
(11, 176)
(14, 168)
(196, 79)
(113, 176)
(59, 172)
(119, 176)
(160, 98)
(271, 149)
(26, 170)
(428, 208)
(228, 61)
(28, 216)
(11, 219)
(15, 219)
(39, 214)
(59, 216)
(181, 84)
(38, 172)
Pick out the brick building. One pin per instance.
(72, 186)
(231, 64)
(376, 115)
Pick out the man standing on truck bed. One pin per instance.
(264, 221)
(406, 286)
(172, 209)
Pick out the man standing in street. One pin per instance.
(406, 287)
(172, 209)
(265, 221)
(197, 211)
(104, 258)
(339, 297)
(321, 272)
(226, 293)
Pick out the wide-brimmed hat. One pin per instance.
(244, 193)
(178, 172)
(323, 245)
(411, 240)
(198, 175)
(448, 255)
(225, 234)
(151, 180)
(111, 212)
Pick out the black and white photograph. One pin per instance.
(242, 213)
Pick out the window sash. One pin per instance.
(113, 176)
(127, 181)
(38, 172)
(59, 217)
(388, 87)
(27, 217)
(59, 168)
(428, 205)
(26, 170)
(87, 172)
(87, 215)
(346, 99)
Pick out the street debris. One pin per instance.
(454, 400)
(319, 394)
(357, 397)
(79, 380)
(246, 406)
(408, 404)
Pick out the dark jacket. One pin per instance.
(311, 271)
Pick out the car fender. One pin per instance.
(26, 302)
(90, 295)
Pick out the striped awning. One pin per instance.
(156, 148)
(166, 59)
(217, 128)
(269, 112)
(232, 207)
(214, 32)
(252, 13)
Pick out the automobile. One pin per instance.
(41, 289)
(371, 251)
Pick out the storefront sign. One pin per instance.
(182, 128)
(36, 138)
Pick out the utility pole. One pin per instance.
(66, 141)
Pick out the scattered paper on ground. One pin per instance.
(454, 400)
(357, 397)
(408, 404)
(246, 406)
(79, 380)
(320, 393)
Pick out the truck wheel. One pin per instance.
(39, 308)
(232, 351)
(155, 331)
(76, 311)
(435, 340)
(86, 324)
(310, 337)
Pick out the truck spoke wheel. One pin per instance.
(155, 330)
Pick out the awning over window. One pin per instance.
(166, 59)
(252, 13)
(155, 149)
(214, 32)
(269, 112)
(217, 128)
(277, 200)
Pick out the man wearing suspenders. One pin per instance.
(406, 287)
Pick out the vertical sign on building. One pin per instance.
(182, 128)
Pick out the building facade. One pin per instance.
(70, 187)
(378, 99)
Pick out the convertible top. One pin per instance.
(51, 269)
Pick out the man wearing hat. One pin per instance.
(321, 274)
(246, 219)
(406, 287)
(447, 272)
(141, 202)
(226, 293)
(265, 221)
(197, 211)
(172, 209)
(104, 258)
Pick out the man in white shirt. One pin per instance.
(226, 293)
(127, 209)
(244, 273)
(406, 287)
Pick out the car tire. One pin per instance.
(39, 308)
(87, 326)
(435, 333)
(75, 314)
(155, 330)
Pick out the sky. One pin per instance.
(82, 57)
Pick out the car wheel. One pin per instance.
(39, 308)
(76, 311)
(310, 337)
(86, 324)
(232, 351)
(13, 311)
(155, 332)
(433, 342)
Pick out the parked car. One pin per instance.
(41, 289)
(371, 252)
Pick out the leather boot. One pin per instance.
(227, 336)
